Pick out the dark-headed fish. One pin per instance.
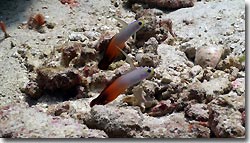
(118, 42)
(120, 84)
(3, 28)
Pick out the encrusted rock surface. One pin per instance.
(172, 126)
(18, 122)
(116, 122)
(208, 90)
(192, 93)
(57, 78)
(170, 56)
(197, 111)
(225, 121)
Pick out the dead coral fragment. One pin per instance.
(87, 55)
(55, 81)
(163, 108)
(71, 3)
(149, 60)
(69, 52)
(19, 121)
(197, 112)
(166, 4)
(89, 70)
(3, 28)
(59, 109)
(225, 121)
(153, 27)
(32, 90)
(140, 99)
(167, 24)
(57, 78)
(200, 129)
(150, 25)
(230, 61)
(75, 54)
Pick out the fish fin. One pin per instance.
(128, 59)
(104, 63)
(122, 22)
(102, 46)
(100, 100)
(134, 37)
(124, 25)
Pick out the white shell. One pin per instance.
(208, 56)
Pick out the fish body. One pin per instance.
(39, 20)
(119, 85)
(3, 28)
(118, 42)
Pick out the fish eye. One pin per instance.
(140, 23)
(149, 70)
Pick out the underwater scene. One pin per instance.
(122, 69)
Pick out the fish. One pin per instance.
(39, 19)
(36, 21)
(3, 28)
(119, 85)
(118, 42)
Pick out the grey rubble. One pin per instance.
(33, 123)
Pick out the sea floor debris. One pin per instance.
(49, 75)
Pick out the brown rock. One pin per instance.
(163, 108)
(32, 90)
(225, 121)
(197, 112)
(149, 60)
(122, 122)
(70, 51)
(53, 79)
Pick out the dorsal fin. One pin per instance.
(124, 25)
(122, 22)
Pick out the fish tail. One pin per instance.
(104, 63)
(100, 100)
(93, 102)
(2, 26)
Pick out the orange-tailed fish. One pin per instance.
(119, 85)
(3, 28)
(118, 41)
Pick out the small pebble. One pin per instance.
(50, 25)
(77, 36)
(195, 70)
